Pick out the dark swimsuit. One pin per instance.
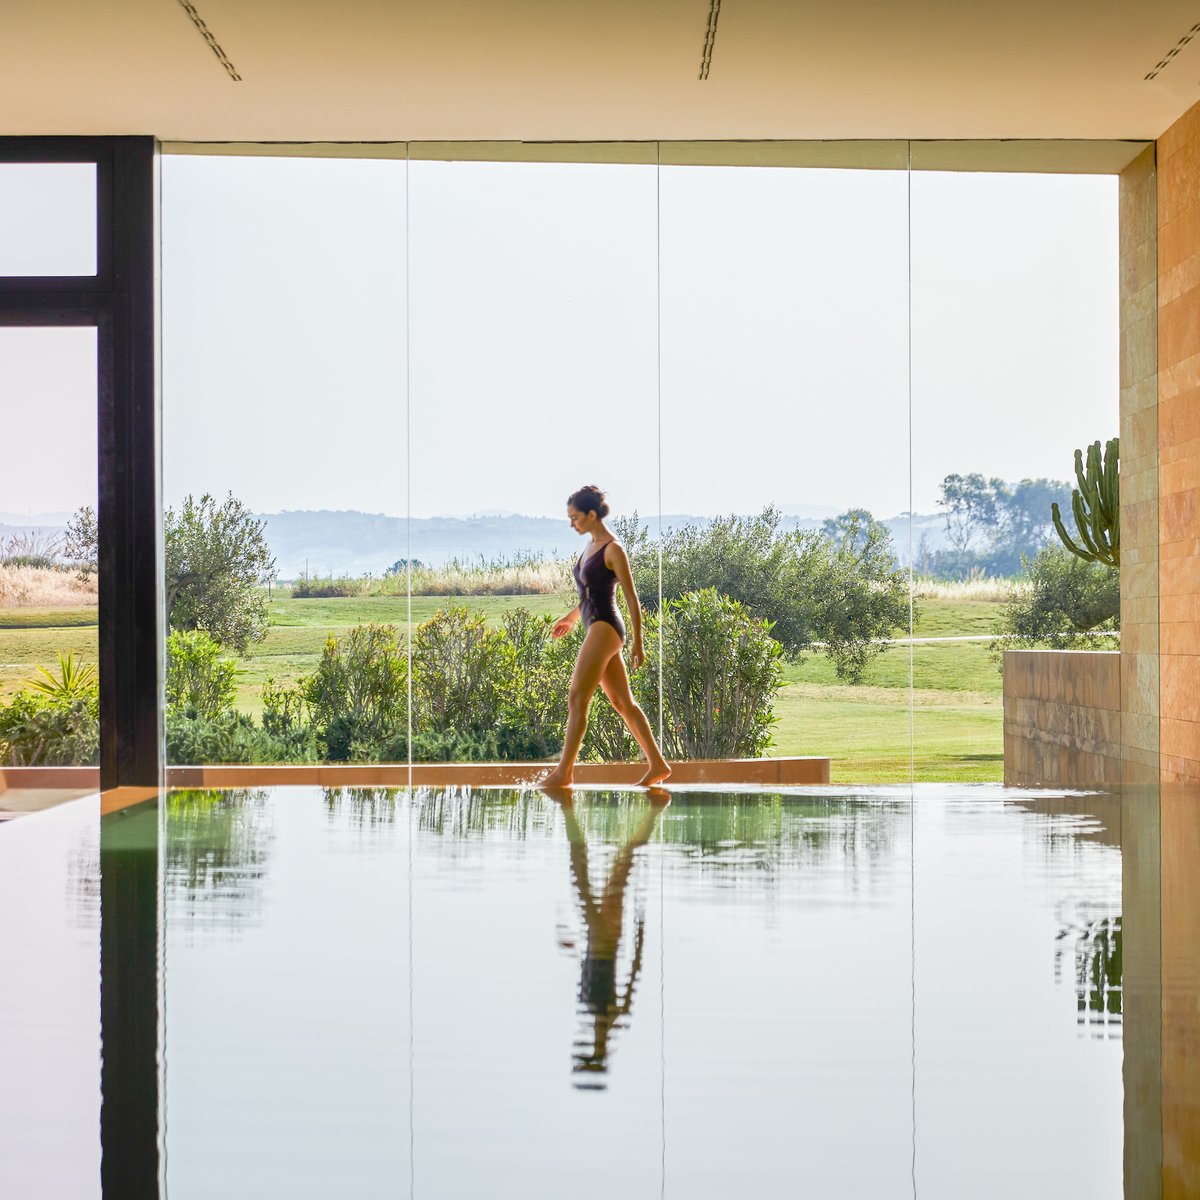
(597, 584)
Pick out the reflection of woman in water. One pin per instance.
(602, 565)
(602, 1001)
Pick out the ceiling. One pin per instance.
(486, 70)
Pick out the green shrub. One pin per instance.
(357, 698)
(40, 731)
(539, 673)
(844, 591)
(231, 737)
(198, 678)
(721, 670)
(461, 672)
(1069, 601)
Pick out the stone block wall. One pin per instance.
(1139, 467)
(1178, 203)
(1062, 717)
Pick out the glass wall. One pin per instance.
(785, 445)
(284, 451)
(1015, 366)
(848, 392)
(49, 688)
(534, 373)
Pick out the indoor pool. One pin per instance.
(944, 992)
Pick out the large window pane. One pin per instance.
(48, 592)
(284, 398)
(47, 218)
(533, 374)
(785, 444)
(1015, 366)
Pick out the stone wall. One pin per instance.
(1139, 468)
(1062, 717)
(1178, 205)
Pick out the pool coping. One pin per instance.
(28, 789)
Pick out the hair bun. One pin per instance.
(589, 498)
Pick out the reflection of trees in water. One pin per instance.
(472, 814)
(1075, 844)
(363, 807)
(83, 879)
(1093, 949)
(728, 833)
(218, 845)
(741, 836)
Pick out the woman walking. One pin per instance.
(602, 565)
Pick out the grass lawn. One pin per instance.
(955, 732)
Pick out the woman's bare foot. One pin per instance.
(657, 772)
(558, 778)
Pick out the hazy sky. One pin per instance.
(535, 312)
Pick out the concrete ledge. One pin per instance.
(751, 771)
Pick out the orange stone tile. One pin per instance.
(1184, 129)
(1179, 549)
(1179, 685)
(1179, 516)
(1177, 281)
(1179, 610)
(1174, 638)
(1179, 738)
(1177, 452)
(1179, 418)
(1178, 378)
(1178, 181)
(1179, 238)
(1177, 769)
(1179, 474)
(1178, 330)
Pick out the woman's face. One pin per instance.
(581, 522)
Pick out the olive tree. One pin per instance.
(216, 562)
(841, 590)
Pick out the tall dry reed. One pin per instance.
(44, 587)
(995, 590)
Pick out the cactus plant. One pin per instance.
(1096, 503)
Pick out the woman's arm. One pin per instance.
(617, 561)
(564, 625)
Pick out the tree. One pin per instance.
(216, 561)
(972, 507)
(1068, 601)
(81, 541)
(847, 595)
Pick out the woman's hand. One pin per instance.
(564, 625)
(637, 655)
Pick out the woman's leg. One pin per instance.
(600, 645)
(615, 682)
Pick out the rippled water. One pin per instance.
(490, 993)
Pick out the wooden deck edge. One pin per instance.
(755, 771)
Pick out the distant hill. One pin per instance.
(355, 543)
(358, 543)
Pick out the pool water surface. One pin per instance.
(472, 993)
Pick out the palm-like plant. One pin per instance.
(75, 679)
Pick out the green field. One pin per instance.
(954, 731)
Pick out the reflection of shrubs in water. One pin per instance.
(218, 844)
(362, 806)
(738, 835)
(1095, 950)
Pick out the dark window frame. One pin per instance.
(120, 302)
